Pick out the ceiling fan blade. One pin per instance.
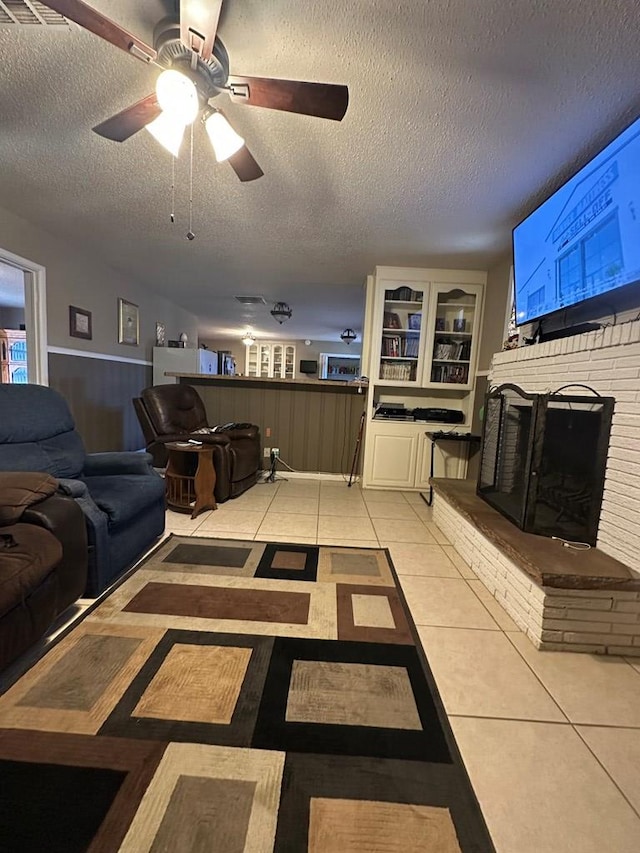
(123, 125)
(244, 165)
(94, 21)
(199, 24)
(324, 100)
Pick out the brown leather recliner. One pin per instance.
(43, 558)
(176, 413)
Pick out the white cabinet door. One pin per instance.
(393, 460)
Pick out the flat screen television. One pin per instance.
(584, 240)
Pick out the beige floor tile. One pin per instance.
(496, 610)
(299, 487)
(414, 498)
(480, 674)
(634, 662)
(377, 495)
(618, 750)
(238, 522)
(397, 530)
(253, 503)
(542, 791)
(437, 534)
(295, 505)
(348, 543)
(181, 522)
(355, 508)
(445, 602)
(411, 558)
(384, 509)
(464, 568)
(595, 689)
(283, 537)
(345, 527)
(288, 524)
(424, 512)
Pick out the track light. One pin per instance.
(224, 139)
(348, 336)
(177, 96)
(281, 312)
(168, 131)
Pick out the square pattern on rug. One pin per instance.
(243, 697)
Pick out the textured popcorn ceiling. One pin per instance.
(463, 114)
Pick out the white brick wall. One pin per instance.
(575, 620)
(609, 361)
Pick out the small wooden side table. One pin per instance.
(190, 487)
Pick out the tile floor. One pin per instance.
(551, 740)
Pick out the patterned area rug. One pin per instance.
(237, 697)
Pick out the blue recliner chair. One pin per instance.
(122, 497)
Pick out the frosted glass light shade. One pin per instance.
(248, 339)
(224, 139)
(168, 131)
(177, 96)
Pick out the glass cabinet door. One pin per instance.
(264, 365)
(455, 311)
(278, 364)
(400, 343)
(252, 360)
(289, 361)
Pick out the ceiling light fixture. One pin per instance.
(168, 132)
(177, 96)
(225, 141)
(348, 336)
(281, 312)
(248, 338)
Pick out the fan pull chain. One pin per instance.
(172, 215)
(190, 234)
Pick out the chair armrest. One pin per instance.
(73, 488)
(243, 431)
(125, 462)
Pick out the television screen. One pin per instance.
(585, 239)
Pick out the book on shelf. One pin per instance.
(400, 371)
(445, 349)
(454, 374)
(395, 346)
(391, 320)
(403, 294)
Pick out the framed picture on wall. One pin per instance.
(128, 323)
(79, 323)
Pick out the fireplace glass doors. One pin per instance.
(543, 460)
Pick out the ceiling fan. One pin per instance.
(195, 70)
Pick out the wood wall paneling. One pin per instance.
(99, 394)
(315, 428)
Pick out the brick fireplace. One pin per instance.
(603, 617)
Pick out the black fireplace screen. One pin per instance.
(543, 460)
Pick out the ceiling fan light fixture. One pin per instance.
(225, 141)
(168, 132)
(281, 312)
(348, 336)
(177, 96)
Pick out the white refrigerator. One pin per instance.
(176, 360)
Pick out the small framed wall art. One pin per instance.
(79, 323)
(128, 323)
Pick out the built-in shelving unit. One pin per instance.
(423, 328)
